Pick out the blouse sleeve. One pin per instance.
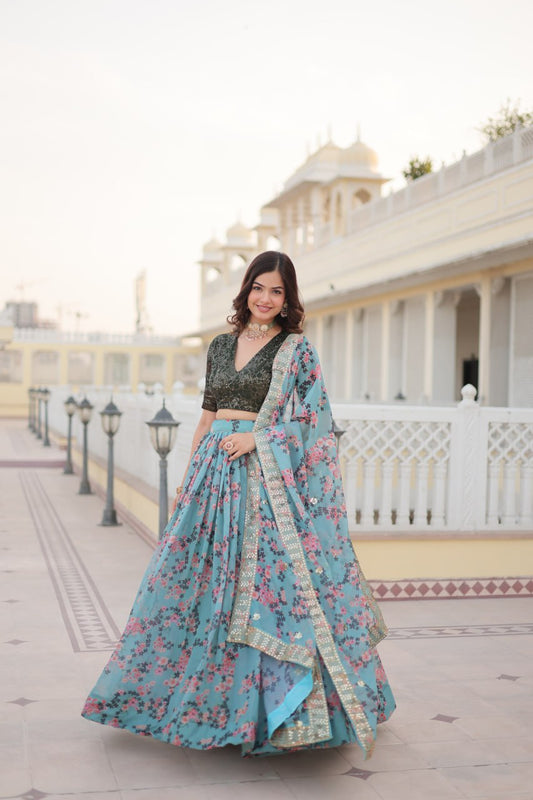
(209, 402)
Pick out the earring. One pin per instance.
(284, 309)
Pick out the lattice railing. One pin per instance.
(411, 468)
(462, 468)
(396, 471)
(510, 473)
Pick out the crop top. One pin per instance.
(245, 389)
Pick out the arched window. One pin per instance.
(361, 197)
(237, 262)
(272, 243)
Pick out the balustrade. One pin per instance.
(405, 468)
(493, 158)
(462, 468)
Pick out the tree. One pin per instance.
(418, 167)
(507, 120)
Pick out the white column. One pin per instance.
(484, 339)
(364, 354)
(348, 354)
(429, 335)
(385, 352)
(319, 336)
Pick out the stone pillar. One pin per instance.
(348, 354)
(319, 336)
(429, 337)
(396, 348)
(444, 347)
(485, 295)
(500, 335)
(385, 352)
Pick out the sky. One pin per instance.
(132, 131)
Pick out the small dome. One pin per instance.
(238, 231)
(361, 154)
(327, 153)
(212, 245)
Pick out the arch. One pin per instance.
(360, 197)
(237, 262)
(273, 242)
(211, 274)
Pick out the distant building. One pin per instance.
(81, 361)
(22, 314)
(409, 296)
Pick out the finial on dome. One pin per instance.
(358, 132)
(330, 132)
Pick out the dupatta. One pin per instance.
(302, 599)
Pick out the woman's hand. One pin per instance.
(237, 444)
(177, 497)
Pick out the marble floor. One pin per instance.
(462, 672)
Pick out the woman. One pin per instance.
(253, 624)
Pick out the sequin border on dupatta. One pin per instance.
(291, 540)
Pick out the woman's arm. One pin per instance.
(203, 427)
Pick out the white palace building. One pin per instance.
(409, 296)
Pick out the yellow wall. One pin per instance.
(479, 556)
(143, 507)
(14, 396)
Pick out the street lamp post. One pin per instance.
(110, 422)
(339, 433)
(85, 410)
(163, 429)
(35, 401)
(38, 393)
(46, 397)
(70, 408)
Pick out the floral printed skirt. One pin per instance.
(174, 674)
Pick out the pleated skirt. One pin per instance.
(174, 675)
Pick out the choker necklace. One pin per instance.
(254, 331)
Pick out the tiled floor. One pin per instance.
(462, 671)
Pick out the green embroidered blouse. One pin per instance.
(245, 389)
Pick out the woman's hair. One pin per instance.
(270, 261)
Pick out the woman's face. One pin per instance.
(266, 297)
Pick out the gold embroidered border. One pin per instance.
(240, 630)
(243, 599)
(291, 540)
(379, 630)
(317, 730)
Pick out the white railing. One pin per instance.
(43, 335)
(495, 157)
(133, 452)
(454, 469)
(406, 468)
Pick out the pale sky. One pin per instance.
(133, 130)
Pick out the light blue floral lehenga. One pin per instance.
(254, 625)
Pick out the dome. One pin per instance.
(361, 154)
(212, 245)
(238, 231)
(327, 153)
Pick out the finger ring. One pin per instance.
(228, 446)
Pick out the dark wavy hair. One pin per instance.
(270, 261)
